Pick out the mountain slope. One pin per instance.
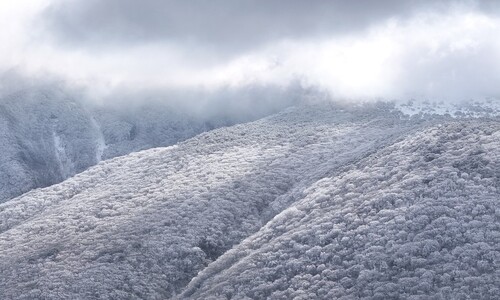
(315, 202)
(45, 138)
(417, 220)
(145, 224)
(46, 135)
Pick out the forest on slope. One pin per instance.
(417, 220)
(316, 201)
(49, 133)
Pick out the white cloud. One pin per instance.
(430, 55)
(432, 51)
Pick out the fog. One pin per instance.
(225, 55)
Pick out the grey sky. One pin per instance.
(353, 49)
(220, 25)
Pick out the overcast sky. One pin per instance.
(354, 49)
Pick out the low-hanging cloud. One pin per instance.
(352, 49)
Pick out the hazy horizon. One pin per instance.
(351, 50)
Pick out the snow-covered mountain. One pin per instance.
(475, 108)
(419, 219)
(318, 201)
(47, 134)
(44, 138)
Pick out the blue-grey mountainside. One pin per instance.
(48, 134)
(250, 149)
(316, 202)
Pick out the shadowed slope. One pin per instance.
(47, 135)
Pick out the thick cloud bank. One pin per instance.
(223, 25)
(353, 49)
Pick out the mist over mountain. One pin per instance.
(50, 132)
(249, 149)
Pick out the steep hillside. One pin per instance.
(45, 138)
(145, 224)
(46, 135)
(417, 220)
(318, 201)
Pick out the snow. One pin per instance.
(44, 139)
(47, 135)
(66, 166)
(476, 108)
(100, 141)
(318, 201)
(395, 225)
(180, 206)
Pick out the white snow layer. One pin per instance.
(486, 107)
(316, 202)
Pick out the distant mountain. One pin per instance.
(319, 201)
(477, 108)
(45, 138)
(46, 135)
